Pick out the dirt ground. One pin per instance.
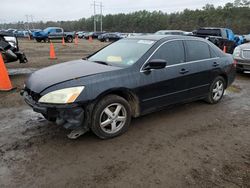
(192, 145)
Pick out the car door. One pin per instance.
(58, 34)
(51, 33)
(55, 34)
(200, 64)
(165, 86)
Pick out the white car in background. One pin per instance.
(242, 57)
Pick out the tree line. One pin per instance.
(232, 15)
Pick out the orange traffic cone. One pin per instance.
(90, 39)
(63, 41)
(225, 49)
(76, 40)
(52, 52)
(5, 83)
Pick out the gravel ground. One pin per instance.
(191, 145)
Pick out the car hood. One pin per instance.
(245, 46)
(39, 33)
(46, 77)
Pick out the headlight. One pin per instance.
(62, 96)
(237, 52)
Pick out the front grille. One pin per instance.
(246, 54)
(34, 96)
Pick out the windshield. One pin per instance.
(47, 30)
(123, 53)
(211, 32)
(160, 33)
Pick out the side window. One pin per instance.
(172, 52)
(213, 53)
(58, 30)
(197, 50)
(52, 31)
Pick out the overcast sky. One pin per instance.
(15, 10)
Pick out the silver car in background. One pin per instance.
(242, 57)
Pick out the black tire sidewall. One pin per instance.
(99, 107)
(210, 95)
(69, 39)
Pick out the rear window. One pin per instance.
(210, 32)
(197, 50)
(58, 30)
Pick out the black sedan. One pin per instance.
(129, 78)
(107, 37)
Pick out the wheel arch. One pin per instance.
(128, 95)
(223, 75)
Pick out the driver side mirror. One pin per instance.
(155, 64)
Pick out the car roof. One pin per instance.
(212, 28)
(165, 37)
(171, 31)
(53, 28)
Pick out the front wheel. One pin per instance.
(111, 117)
(216, 91)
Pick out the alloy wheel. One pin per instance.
(218, 90)
(113, 118)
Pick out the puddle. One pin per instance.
(15, 117)
(4, 170)
(234, 89)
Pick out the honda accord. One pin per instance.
(129, 78)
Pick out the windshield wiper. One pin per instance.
(102, 62)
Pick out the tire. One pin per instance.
(107, 39)
(69, 39)
(116, 123)
(38, 40)
(216, 91)
(240, 71)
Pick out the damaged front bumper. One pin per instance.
(70, 116)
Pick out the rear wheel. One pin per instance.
(69, 39)
(217, 90)
(111, 117)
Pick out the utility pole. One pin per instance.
(27, 19)
(97, 4)
(32, 21)
(94, 16)
(101, 6)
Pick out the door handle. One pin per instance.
(184, 71)
(216, 64)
